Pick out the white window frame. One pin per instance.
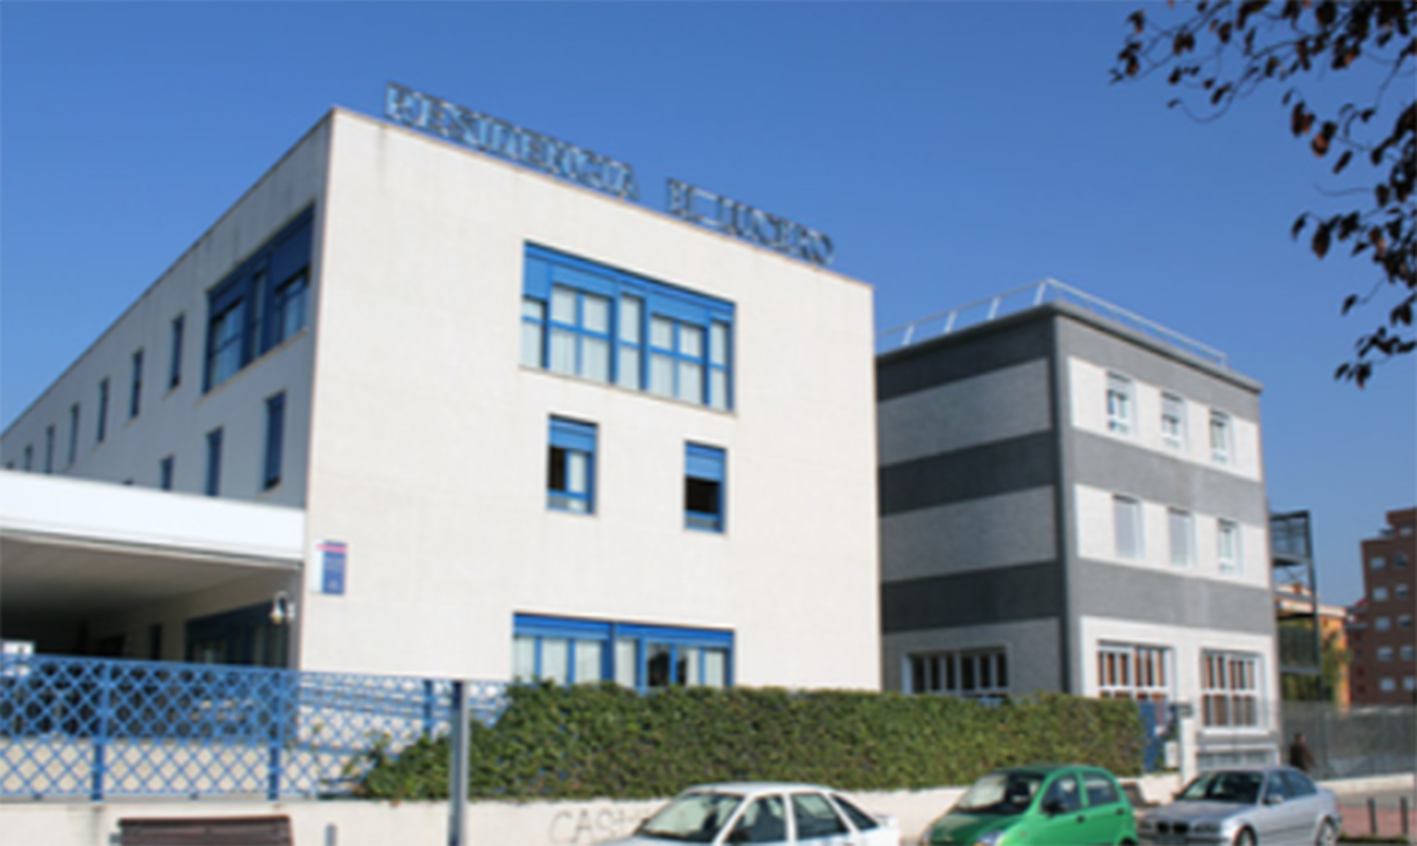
(943, 673)
(1231, 560)
(1180, 525)
(1127, 510)
(1173, 421)
(1121, 404)
(1135, 671)
(1231, 695)
(1222, 438)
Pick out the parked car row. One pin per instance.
(1053, 805)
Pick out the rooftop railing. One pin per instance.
(1032, 296)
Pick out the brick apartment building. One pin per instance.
(1384, 670)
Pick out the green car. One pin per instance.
(1039, 806)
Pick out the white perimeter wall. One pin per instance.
(430, 439)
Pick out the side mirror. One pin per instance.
(1274, 799)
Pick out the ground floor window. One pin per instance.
(972, 672)
(1133, 671)
(1230, 690)
(573, 651)
(243, 636)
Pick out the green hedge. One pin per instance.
(586, 742)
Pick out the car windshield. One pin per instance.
(691, 818)
(1000, 793)
(1239, 787)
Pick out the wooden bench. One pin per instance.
(206, 831)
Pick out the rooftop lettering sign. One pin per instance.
(725, 215)
(509, 141)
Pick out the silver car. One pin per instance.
(1246, 807)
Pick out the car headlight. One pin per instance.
(1146, 824)
(989, 838)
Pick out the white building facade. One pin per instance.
(1070, 504)
(527, 429)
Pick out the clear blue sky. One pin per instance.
(952, 150)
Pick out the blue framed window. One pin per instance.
(174, 367)
(73, 433)
(642, 657)
(570, 466)
(135, 396)
(260, 304)
(704, 485)
(164, 473)
(213, 462)
(595, 322)
(275, 438)
(102, 429)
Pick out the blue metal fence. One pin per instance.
(87, 728)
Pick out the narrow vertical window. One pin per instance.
(213, 487)
(165, 473)
(29, 457)
(174, 367)
(533, 332)
(631, 331)
(102, 429)
(1228, 547)
(719, 366)
(49, 449)
(275, 437)
(135, 397)
(1127, 519)
(1221, 437)
(1119, 404)
(1173, 421)
(703, 488)
(73, 433)
(1182, 538)
(570, 484)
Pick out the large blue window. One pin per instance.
(704, 478)
(595, 322)
(571, 651)
(570, 466)
(258, 306)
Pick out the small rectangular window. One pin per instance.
(1384, 653)
(1221, 438)
(1401, 591)
(1119, 404)
(1128, 527)
(49, 449)
(102, 429)
(1173, 421)
(570, 484)
(174, 367)
(1182, 538)
(136, 396)
(213, 487)
(29, 457)
(704, 477)
(1377, 563)
(73, 433)
(1228, 547)
(275, 439)
(165, 473)
(1382, 624)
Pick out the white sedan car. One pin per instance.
(770, 813)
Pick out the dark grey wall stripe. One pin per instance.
(1124, 467)
(1167, 599)
(996, 595)
(1001, 467)
(951, 359)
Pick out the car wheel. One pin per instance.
(1245, 838)
(1328, 834)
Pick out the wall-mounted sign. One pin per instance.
(333, 558)
(750, 224)
(509, 141)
